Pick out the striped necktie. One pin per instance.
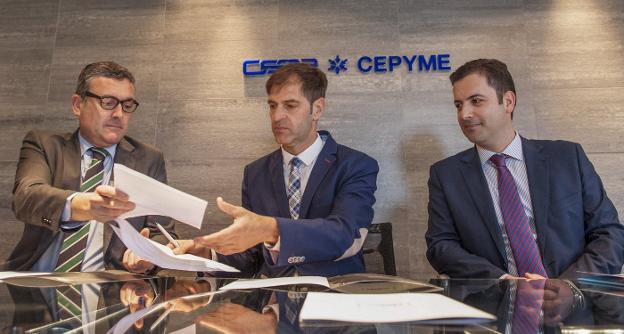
(74, 242)
(523, 245)
(69, 299)
(527, 311)
(294, 187)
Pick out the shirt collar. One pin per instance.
(85, 145)
(514, 150)
(309, 155)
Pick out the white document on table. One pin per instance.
(268, 282)
(155, 198)
(393, 307)
(161, 255)
(11, 274)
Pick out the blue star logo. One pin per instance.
(337, 65)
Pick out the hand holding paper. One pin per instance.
(135, 263)
(155, 198)
(104, 204)
(161, 255)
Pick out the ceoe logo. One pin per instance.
(261, 67)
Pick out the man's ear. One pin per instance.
(509, 101)
(76, 102)
(318, 108)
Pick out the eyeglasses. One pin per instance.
(111, 102)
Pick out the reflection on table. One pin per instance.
(190, 305)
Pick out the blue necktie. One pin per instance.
(294, 187)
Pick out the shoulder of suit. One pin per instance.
(263, 161)
(45, 135)
(139, 145)
(454, 159)
(555, 146)
(347, 153)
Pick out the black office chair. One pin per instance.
(378, 249)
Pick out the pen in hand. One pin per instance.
(167, 235)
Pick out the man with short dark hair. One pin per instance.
(306, 206)
(63, 184)
(515, 207)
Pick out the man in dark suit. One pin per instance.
(306, 206)
(515, 207)
(62, 182)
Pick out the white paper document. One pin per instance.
(394, 307)
(155, 198)
(268, 282)
(11, 274)
(161, 255)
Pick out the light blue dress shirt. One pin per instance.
(94, 254)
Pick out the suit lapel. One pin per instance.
(324, 162)
(123, 155)
(537, 173)
(71, 162)
(276, 169)
(477, 185)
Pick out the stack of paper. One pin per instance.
(351, 283)
(161, 255)
(385, 308)
(155, 198)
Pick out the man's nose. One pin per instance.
(465, 112)
(118, 112)
(277, 114)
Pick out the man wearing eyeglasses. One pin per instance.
(63, 188)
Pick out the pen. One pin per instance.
(167, 235)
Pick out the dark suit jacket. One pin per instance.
(48, 172)
(336, 210)
(577, 225)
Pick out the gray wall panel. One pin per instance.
(210, 121)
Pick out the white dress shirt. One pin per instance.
(308, 157)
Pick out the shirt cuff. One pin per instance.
(272, 308)
(66, 222)
(66, 216)
(274, 248)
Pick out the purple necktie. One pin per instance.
(522, 243)
(528, 306)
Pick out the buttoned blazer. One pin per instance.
(336, 210)
(577, 226)
(48, 171)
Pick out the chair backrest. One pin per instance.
(379, 249)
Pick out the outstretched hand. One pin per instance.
(247, 230)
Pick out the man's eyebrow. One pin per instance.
(475, 95)
(287, 101)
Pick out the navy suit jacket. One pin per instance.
(336, 210)
(577, 225)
